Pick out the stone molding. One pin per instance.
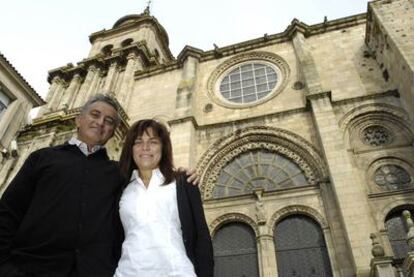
(232, 217)
(381, 213)
(272, 139)
(346, 122)
(294, 210)
(277, 61)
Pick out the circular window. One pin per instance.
(248, 83)
(376, 136)
(248, 79)
(392, 177)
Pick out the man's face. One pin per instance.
(97, 125)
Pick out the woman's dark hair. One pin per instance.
(126, 162)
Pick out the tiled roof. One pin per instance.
(38, 101)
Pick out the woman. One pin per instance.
(166, 233)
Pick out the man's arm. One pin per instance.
(14, 204)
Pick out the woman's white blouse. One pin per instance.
(153, 243)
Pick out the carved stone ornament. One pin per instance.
(376, 136)
(410, 225)
(270, 139)
(377, 249)
(219, 73)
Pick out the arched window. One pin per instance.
(107, 50)
(300, 248)
(127, 42)
(235, 251)
(397, 232)
(258, 169)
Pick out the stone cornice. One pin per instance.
(34, 96)
(249, 45)
(189, 51)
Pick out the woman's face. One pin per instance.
(147, 151)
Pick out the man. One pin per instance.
(59, 215)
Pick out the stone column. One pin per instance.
(94, 84)
(84, 90)
(52, 89)
(134, 62)
(57, 96)
(110, 77)
(267, 253)
(185, 89)
(71, 91)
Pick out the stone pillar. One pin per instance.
(84, 90)
(92, 90)
(57, 95)
(52, 89)
(185, 89)
(183, 139)
(71, 91)
(350, 194)
(110, 77)
(133, 63)
(267, 253)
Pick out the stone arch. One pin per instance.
(374, 114)
(377, 162)
(276, 140)
(382, 214)
(372, 108)
(233, 217)
(297, 209)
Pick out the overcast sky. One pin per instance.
(39, 35)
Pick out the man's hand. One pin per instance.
(193, 177)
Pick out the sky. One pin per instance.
(39, 35)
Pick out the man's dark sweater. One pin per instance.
(60, 214)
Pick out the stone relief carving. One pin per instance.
(376, 136)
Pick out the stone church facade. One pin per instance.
(303, 139)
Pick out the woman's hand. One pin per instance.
(192, 176)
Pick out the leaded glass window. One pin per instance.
(248, 83)
(397, 233)
(235, 251)
(300, 248)
(392, 176)
(258, 169)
